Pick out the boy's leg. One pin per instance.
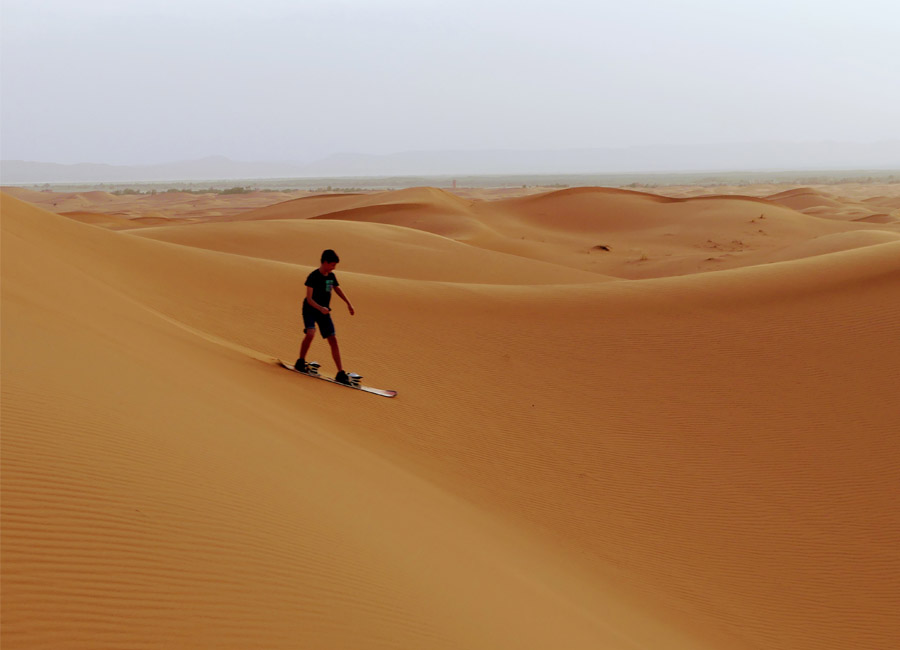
(307, 340)
(335, 351)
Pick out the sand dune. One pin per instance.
(824, 245)
(423, 208)
(378, 249)
(880, 217)
(890, 202)
(168, 205)
(98, 219)
(845, 201)
(652, 236)
(861, 201)
(805, 197)
(604, 231)
(702, 460)
(824, 204)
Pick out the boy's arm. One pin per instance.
(340, 293)
(313, 303)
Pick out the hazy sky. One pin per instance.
(144, 81)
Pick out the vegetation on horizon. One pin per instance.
(131, 191)
(370, 184)
(173, 190)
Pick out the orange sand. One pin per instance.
(591, 448)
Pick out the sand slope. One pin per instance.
(700, 461)
(378, 249)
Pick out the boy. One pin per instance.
(319, 286)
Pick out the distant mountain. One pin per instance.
(14, 172)
(769, 156)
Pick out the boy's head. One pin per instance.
(329, 260)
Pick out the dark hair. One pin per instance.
(330, 256)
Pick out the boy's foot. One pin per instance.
(300, 366)
(342, 378)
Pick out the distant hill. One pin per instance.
(759, 156)
(762, 156)
(14, 172)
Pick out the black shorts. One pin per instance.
(313, 317)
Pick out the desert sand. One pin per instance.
(626, 420)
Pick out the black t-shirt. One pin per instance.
(322, 286)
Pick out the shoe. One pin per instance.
(300, 366)
(342, 378)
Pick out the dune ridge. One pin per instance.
(699, 460)
(611, 232)
(381, 249)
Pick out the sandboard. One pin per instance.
(355, 386)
